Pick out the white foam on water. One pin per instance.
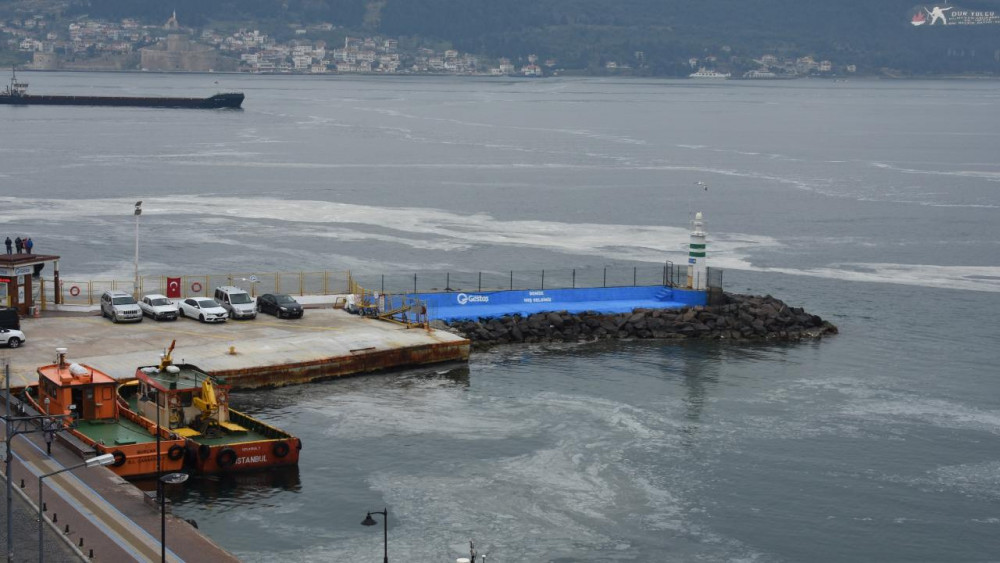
(444, 230)
(990, 176)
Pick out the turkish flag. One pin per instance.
(174, 288)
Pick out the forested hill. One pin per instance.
(586, 33)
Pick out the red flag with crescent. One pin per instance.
(174, 288)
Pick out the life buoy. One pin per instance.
(204, 451)
(119, 458)
(226, 458)
(74, 291)
(196, 287)
(175, 452)
(280, 449)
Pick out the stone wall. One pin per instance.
(738, 318)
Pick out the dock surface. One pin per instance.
(266, 351)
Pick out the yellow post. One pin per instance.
(302, 284)
(277, 282)
(90, 292)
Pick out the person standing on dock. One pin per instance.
(8, 243)
(28, 245)
(18, 244)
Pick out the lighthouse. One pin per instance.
(697, 267)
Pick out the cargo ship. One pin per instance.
(196, 407)
(86, 399)
(16, 93)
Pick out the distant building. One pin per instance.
(179, 53)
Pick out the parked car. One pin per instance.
(159, 307)
(13, 338)
(120, 307)
(204, 309)
(279, 305)
(237, 301)
(9, 318)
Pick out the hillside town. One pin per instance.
(89, 44)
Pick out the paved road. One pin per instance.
(25, 519)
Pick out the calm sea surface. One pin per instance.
(874, 204)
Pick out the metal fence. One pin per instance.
(668, 274)
(88, 292)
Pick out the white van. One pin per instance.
(237, 301)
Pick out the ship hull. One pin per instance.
(218, 101)
(259, 446)
(129, 439)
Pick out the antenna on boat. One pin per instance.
(61, 357)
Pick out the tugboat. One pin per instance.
(87, 396)
(17, 94)
(196, 407)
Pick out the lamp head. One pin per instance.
(368, 521)
(104, 459)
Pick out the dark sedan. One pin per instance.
(279, 305)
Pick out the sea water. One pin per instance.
(871, 203)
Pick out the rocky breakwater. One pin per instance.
(739, 318)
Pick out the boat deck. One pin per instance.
(121, 432)
(250, 435)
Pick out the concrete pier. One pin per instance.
(266, 351)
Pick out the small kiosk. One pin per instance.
(20, 282)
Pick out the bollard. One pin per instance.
(66, 531)
(22, 483)
(81, 542)
(91, 556)
(44, 508)
(55, 517)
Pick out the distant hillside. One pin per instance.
(585, 34)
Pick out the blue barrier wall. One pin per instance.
(454, 306)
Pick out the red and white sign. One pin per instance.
(174, 288)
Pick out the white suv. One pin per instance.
(120, 307)
(236, 301)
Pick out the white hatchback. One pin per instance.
(158, 307)
(204, 309)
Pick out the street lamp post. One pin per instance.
(369, 521)
(135, 286)
(168, 479)
(105, 459)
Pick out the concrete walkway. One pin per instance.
(96, 508)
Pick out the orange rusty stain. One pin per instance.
(365, 360)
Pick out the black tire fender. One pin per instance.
(204, 451)
(280, 449)
(119, 458)
(226, 458)
(175, 452)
